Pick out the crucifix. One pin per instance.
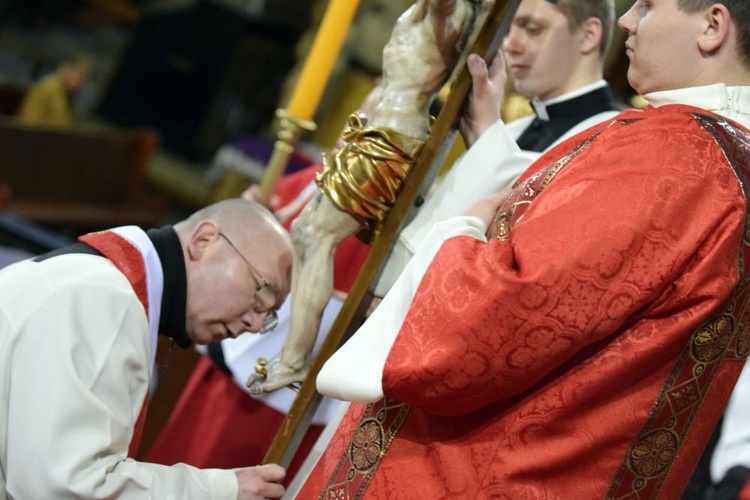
(369, 185)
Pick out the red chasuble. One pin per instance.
(589, 348)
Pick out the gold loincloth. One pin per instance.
(364, 177)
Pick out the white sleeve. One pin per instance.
(493, 163)
(354, 372)
(77, 385)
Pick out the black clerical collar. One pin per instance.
(595, 101)
(564, 115)
(174, 297)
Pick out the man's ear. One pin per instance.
(715, 28)
(591, 35)
(200, 238)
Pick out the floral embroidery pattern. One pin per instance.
(653, 453)
(712, 339)
(374, 434)
(722, 336)
(367, 443)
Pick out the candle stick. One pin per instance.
(283, 148)
(309, 87)
(323, 54)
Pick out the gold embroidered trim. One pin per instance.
(508, 214)
(651, 455)
(374, 433)
(722, 337)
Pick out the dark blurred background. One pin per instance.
(178, 107)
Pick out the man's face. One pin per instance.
(661, 40)
(541, 51)
(223, 283)
(75, 78)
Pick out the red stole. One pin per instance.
(129, 261)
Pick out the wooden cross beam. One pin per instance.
(422, 173)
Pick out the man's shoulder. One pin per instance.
(75, 279)
(71, 270)
(665, 130)
(49, 84)
(678, 133)
(677, 118)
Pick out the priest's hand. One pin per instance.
(487, 207)
(273, 374)
(258, 483)
(486, 96)
(256, 194)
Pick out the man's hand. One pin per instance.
(486, 96)
(256, 194)
(258, 483)
(486, 208)
(374, 303)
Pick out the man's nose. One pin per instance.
(253, 321)
(511, 44)
(626, 22)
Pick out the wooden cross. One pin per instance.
(423, 172)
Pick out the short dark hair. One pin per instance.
(577, 11)
(740, 11)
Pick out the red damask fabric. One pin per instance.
(589, 353)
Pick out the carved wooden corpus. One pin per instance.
(423, 172)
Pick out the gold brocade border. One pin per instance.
(374, 434)
(363, 177)
(723, 336)
(512, 209)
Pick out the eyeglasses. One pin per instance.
(265, 298)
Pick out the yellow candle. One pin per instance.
(323, 53)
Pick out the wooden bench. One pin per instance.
(81, 180)
(10, 99)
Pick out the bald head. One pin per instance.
(235, 214)
(251, 226)
(233, 248)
